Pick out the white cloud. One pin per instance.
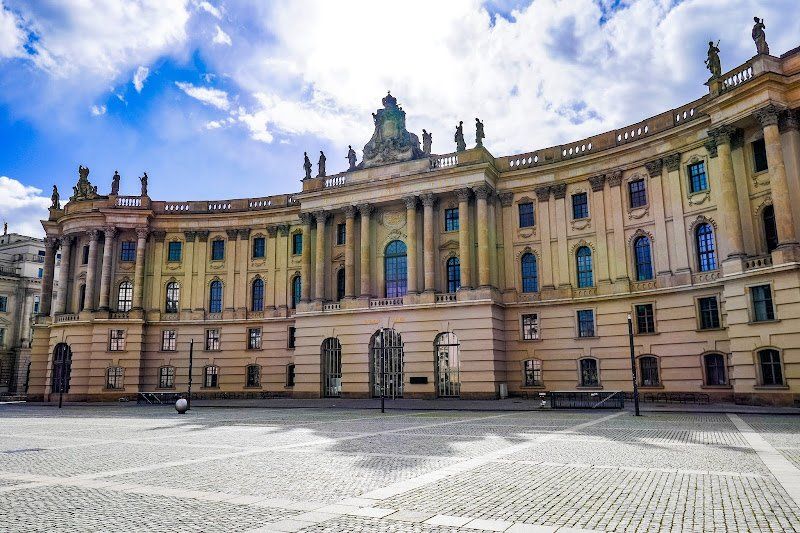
(208, 8)
(207, 95)
(222, 38)
(22, 207)
(139, 78)
(98, 110)
(11, 35)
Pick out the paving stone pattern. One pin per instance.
(130, 468)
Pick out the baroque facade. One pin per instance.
(460, 274)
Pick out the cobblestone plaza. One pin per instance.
(127, 468)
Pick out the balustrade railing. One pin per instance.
(737, 76)
(335, 181)
(332, 306)
(129, 201)
(445, 297)
(705, 277)
(643, 285)
(120, 314)
(385, 302)
(66, 317)
(444, 161)
(762, 261)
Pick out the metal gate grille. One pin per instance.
(62, 367)
(448, 365)
(386, 354)
(331, 368)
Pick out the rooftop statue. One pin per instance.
(115, 183)
(479, 135)
(83, 190)
(351, 157)
(307, 166)
(759, 36)
(461, 145)
(321, 164)
(427, 141)
(391, 141)
(54, 199)
(143, 179)
(712, 61)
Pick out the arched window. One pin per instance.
(395, 269)
(641, 256)
(648, 371)
(769, 361)
(82, 297)
(453, 274)
(340, 284)
(770, 229)
(583, 259)
(173, 297)
(215, 297)
(706, 260)
(530, 274)
(716, 373)
(125, 296)
(258, 295)
(297, 286)
(114, 377)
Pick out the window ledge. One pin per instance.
(757, 322)
(533, 387)
(651, 387)
(771, 387)
(648, 334)
(716, 387)
(589, 387)
(586, 338)
(700, 330)
(254, 387)
(530, 340)
(210, 388)
(165, 388)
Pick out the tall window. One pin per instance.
(173, 297)
(215, 297)
(530, 276)
(340, 284)
(116, 340)
(642, 258)
(253, 376)
(770, 229)
(82, 297)
(253, 338)
(217, 250)
(709, 312)
(291, 337)
(297, 243)
(762, 303)
(532, 373)
(166, 377)
(770, 362)
(258, 295)
(580, 206)
(698, 181)
(395, 269)
(715, 369)
(259, 247)
(637, 193)
(36, 304)
(586, 323)
(114, 377)
(3, 304)
(297, 286)
(211, 376)
(706, 260)
(290, 375)
(174, 251)
(125, 296)
(759, 156)
(451, 219)
(212, 339)
(530, 327)
(589, 374)
(169, 338)
(341, 234)
(453, 274)
(526, 218)
(648, 369)
(645, 319)
(583, 258)
(127, 251)
(85, 255)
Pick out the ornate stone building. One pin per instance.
(428, 275)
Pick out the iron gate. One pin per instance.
(386, 355)
(331, 368)
(62, 367)
(448, 365)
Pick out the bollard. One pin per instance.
(181, 406)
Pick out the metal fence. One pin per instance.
(587, 400)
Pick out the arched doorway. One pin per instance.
(331, 368)
(62, 366)
(448, 365)
(386, 363)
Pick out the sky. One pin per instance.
(218, 99)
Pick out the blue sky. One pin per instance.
(218, 99)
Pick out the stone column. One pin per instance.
(620, 261)
(138, 270)
(464, 242)
(91, 270)
(349, 252)
(543, 221)
(730, 236)
(366, 276)
(411, 248)
(484, 273)
(188, 272)
(655, 169)
(496, 256)
(598, 184)
(305, 262)
(154, 303)
(272, 259)
(230, 263)
(784, 218)
(201, 256)
(64, 274)
(108, 257)
(428, 230)
(563, 264)
(50, 245)
(241, 285)
(282, 266)
(672, 164)
(319, 277)
(506, 201)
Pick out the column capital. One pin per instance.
(306, 218)
(482, 191)
(142, 233)
(768, 115)
(272, 231)
(543, 193)
(203, 235)
(244, 234)
(789, 120)
(672, 161)
(232, 233)
(722, 134)
(711, 147)
(506, 198)
(411, 202)
(349, 211)
(190, 236)
(598, 182)
(283, 229)
(110, 232)
(428, 199)
(93, 234)
(159, 235)
(365, 209)
(559, 190)
(321, 217)
(614, 178)
(67, 240)
(463, 194)
(654, 167)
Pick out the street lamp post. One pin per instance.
(191, 358)
(633, 367)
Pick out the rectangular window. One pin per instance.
(259, 247)
(40, 274)
(645, 319)
(174, 251)
(127, 251)
(4, 304)
(698, 181)
(116, 340)
(526, 218)
(590, 377)
(648, 367)
(759, 156)
(169, 338)
(254, 338)
(451, 219)
(637, 194)
(762, 303)
(290, 375)
(709, 312)
(253, 376)
(2, 336)
(85, 255)
(218, 250)
(586, 323)
(291, 340)
(114, 377)
(341, 234)
(36, 304)
(580, 206)
(212, 339)
(211, 377)
(530, 327)
(166, 377)
(297, 244)
(533, 373)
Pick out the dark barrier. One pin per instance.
(587, 400)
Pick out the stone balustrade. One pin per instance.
(128, 201)
(331, 306)
(338, 180)
(762, 261)
(66, 317)
(444, 161)
(119, 315)
(385, 302)
(737, 76)
(445, 297)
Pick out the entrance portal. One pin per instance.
(386, 361)
(448, 365)
(331, 368)
(62, 367)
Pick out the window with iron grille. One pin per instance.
(211, 377)
(169, 340)
(759, 156)
(762, 303)
(116, 340)
(253, 376)
(698, 181)
(645, 319)
(526, 218)
(532, 372)
(586, 323)
(173, 297)
(589, 374)
(771, 371)
(297, 243)
(451, 219)
(212, 339)
(174, 251)
(709, 312)
(259, 247)
(648, 369)
(114, 377)
(341, 234)
(580, 206)
(291, 338)
(530, 327)
(217, 250)
(716, 373)
(637, 194)
(166, 377)
(254, 338)
(127, 251)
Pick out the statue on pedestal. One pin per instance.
(307, 166)
(712, 61)
(115, 183)
(427, 141)
(321, 164)
(391, 142)
(351, 157)
(461, 145)
(143, 179)
(55, 203)
(83, 190)
(760, 37)
(479, 135)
